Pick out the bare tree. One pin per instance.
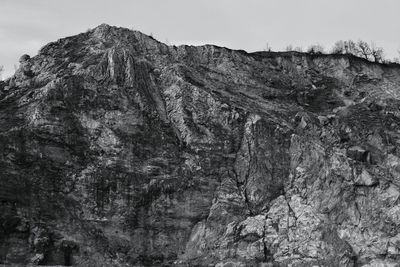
(289, 48)
(298, 49)
(344, 47)
(369, 51)
(377, 53)
(350, 47)
(315, 49)
(339, 47)
(1, 72)
(360, 49)
(397, 59)
(268, 47)
(364, 50)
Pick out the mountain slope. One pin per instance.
(120, 150)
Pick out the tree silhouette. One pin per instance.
(361, 49)
(315, 49)
(377, 53)
(1, 72)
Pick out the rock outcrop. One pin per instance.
(118, 150)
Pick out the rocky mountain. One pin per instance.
(118, 150)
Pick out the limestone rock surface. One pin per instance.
(118, 150)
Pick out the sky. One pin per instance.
(27, 25)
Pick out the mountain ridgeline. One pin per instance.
(119, 150)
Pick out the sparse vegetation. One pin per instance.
(292, 48)
(268, 47)
(341, 47)
(298, 49)
(397, 59)
(1, 72)
(361, 49)
(315, 49)
(369, 51)
(289, 48)
(377, 53)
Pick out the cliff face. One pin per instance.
(119, 150)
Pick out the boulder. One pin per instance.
(365, 179)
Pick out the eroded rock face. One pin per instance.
(119, 150)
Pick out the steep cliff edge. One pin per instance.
(118, 150)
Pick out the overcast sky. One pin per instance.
(27, 25)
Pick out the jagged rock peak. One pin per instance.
(102, 30)
(105, 31)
